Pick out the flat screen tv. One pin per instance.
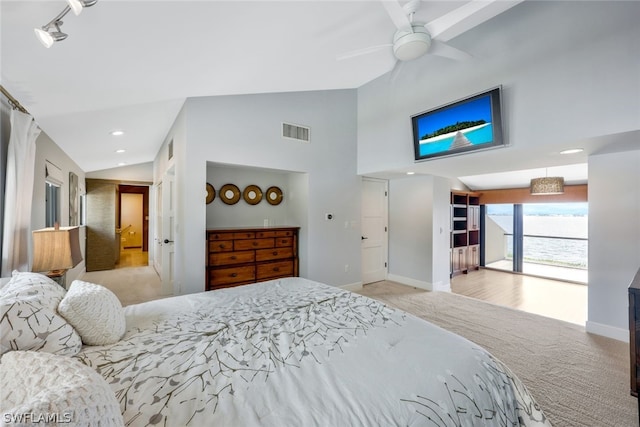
(470, 124)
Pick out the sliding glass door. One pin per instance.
(546, 239)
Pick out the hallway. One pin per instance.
(133, 257)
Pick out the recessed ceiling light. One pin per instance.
(572, 151)
(120, 151)
(122, 164)
(117, 132)
(410, 173)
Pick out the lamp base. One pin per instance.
(58, 276)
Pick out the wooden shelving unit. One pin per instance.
(465, 232)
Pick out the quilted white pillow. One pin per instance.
(45, 389)
(95, 312)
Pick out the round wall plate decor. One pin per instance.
(211, 193)
(229, 194)
(252, 194)
(274, 195)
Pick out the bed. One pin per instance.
(293, 352)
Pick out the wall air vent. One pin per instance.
(299, 133)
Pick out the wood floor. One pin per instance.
(134, 257)
(550, 298)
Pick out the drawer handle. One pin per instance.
(233, 257)
(222, 246)
(255, 243)
(234, 274)
(276, 269)
(275, 252)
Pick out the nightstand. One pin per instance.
(58, 276)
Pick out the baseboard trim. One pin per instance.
(410, 282)
(607, 331)
(352, 287)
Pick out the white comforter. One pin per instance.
(292, 352)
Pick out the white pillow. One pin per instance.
(54, 390)
(26, 284)
(28, 317)
(95, 312)
(28, 325)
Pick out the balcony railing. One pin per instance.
(570, 252)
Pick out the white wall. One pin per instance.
(614, 239)
(246, 130)
(47, 150)
(419, 232)
(567, 91)
(142, 172)
(219, 214)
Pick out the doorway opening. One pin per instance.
(132, 214)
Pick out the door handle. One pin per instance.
(363, 238)
(168, 241)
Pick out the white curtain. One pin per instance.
(21, 157)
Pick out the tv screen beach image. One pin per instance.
(457, 126)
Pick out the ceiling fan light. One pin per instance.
(411, 44)
(547, 185)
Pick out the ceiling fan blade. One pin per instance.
(397, 14)
(466, 17)
(395, 71)
(363, 51)
(439, 48)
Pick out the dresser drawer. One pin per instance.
(284, 242)
(274, 253)
(220, 236)
(274, 269)
(244, 235)
(221, 276)
(263, 234)
(220, 245)
(225, 258)
(241, 245)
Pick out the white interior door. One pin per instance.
(168, 202)
(374, 230)
(157, 251)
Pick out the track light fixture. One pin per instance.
(78, 5)
(50, 33)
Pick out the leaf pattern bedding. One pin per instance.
(293, 352)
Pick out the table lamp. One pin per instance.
(55, 250)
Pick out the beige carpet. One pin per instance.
(131, 285)
(578, 379)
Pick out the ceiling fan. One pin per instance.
(414, 39)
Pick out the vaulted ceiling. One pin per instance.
(130, 65)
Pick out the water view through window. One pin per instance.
(554, 239)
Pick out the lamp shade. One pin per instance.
(56, 248)
(547, 185)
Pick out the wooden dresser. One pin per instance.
(238, 256)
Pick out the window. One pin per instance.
(83, 210)
(53, 181)
(52, 208)
(545, 239)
